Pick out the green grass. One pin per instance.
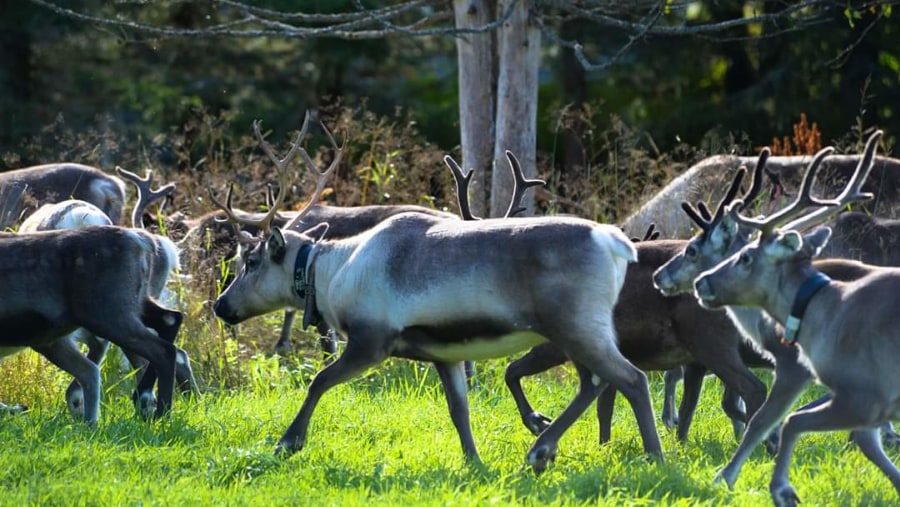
(386, 439)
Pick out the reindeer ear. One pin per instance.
(816, 240)
(275, 245)
(788, 243)
(723, 233)
(318, 232)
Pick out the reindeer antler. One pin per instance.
(520, 185)
(462, 187)
(284, 178)
(146, 195)
(792, 216)
(702, 219)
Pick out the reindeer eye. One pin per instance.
(690, 252)
(252, 262)
(745, 259)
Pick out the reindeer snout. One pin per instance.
(663, 282)
(704, 292)
(224, 312)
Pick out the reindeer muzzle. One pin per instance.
(225, 312)
(706, 295)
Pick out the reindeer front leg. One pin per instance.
(791, 378)
(845, 410)
(364, 350)
(453, 378)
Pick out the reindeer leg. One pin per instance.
(453, 378)
(669, 415)
(791, 378)
(166, 324)
(869, 443)
(97, 348)
(543, 451)
(284, 346)
(359, 355)
(693, 385)
(327, 342)
(606, 404)
(736, 410)
(65, 354)
(846, 410)
(538, 359)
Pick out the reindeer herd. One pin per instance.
(416, 283)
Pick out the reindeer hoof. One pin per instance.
(785, 496)
(537, 422)
(286, 448)
(723, 477)
(75, 402)
(540, 458)
(13, 409)
(146, 405)
(670, 422)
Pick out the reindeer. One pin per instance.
(705, 178)
(73, 214)
(845, 331)
(51, 183)
(672, 336)
(866, 238)
(720, 237)
(445, 291)
(96, 277)
(343, 221)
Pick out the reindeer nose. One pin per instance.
(224, 312)
(662, 282)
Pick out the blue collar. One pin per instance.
(305, 285)
(807, 290)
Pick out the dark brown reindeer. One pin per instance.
(73, 214)
(51, 183)
(845, 331)
(655, 333)
(719, 238)
(445, 291)
(96, 277)
(865, 238)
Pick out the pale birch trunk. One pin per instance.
(518, 41)
(476, 59)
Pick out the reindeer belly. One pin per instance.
(464, 342)
(27, 329)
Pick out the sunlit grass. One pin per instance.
(386, 439)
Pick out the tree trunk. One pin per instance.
(477, 68)
(517, 95)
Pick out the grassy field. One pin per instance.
(383, 439)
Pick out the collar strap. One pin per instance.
(300, 281)
(807, 290)
(305, 284)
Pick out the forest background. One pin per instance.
(606, 138)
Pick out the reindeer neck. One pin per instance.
(798, 286)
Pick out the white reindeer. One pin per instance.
(446, 291)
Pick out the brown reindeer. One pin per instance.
(445, 291)
(50, 183)
(845, 331)
(96, 278)
(72, 214)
